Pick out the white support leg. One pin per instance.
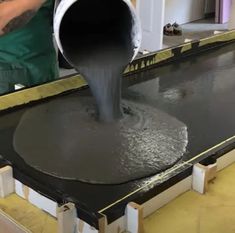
(202, 175)
(134, 218)
(6, 181)
(84, 227)
(67, 218)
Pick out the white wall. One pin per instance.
(183, 11)
(151, 13)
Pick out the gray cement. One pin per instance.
(62, 138)
(102, 67)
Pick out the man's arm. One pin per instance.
(16, 13)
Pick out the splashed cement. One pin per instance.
(144, 142)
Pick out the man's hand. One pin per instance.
(16, 13)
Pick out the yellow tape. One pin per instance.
(163, 55)
(186, 47)
(222, 37)
(39, 92)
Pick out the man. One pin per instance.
(27, 54)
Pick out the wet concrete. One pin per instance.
(63, 138)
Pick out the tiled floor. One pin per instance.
(193, 31)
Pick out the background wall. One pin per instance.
(151, 14)
(184, 11)
(231, 24)
(225, 8)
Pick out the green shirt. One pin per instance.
(27, 55)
